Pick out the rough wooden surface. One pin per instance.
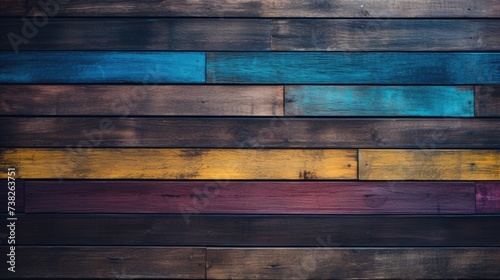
(266, 230)
(129, 100)
(487, 103)
(198, 164)
(372, 263)
(108, 262)
(488, 197)
(429, 164)
(385, 35)
(424, 101)
(249, 197)
(146, 68)
(250, 132)
(14, 8)
(408, 68)
(145, 34)
(19, 196)
(286, 8)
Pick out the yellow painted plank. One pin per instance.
(198, 164)
(429, 164)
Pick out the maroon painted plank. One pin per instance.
(19, 195)
(250, 197)
(488, 197)
(12, 8)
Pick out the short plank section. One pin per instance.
(424, 101)
(246, 132)
(353, 68)
(487, 101)
(16, 194)
(284, 8)
(249, 197)
(108, 262)
(488, 197)
(102, 67)
(196, 164)
(129, 100)
(143, 34)
(14, 8)
(353, 263)
(266, 230)
(429, 164)
(385, 35)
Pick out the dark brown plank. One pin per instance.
(256, 230)
(286, 8)
(487, 103)
(144, 34)
(12, 8)
(488, 197)
(249, 197)
(353, 263)
(19, 195)
(385, 35)
(250, 132)
(129, 100)
(107, 262)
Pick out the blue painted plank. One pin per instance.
(419, 101)
(353, 68)
(102, 67)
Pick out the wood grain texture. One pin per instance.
(488, 197)
(249, 132)
(249, 197)
(429, 164)
(259, 230)
(14, 8)
(145, 34)
(108, 262)
(102, 67)
(372, 263)
(424, 101)
(286, 8)
(353, 68)
(195, 164)
(129, 100)
(385, 35)
(487, 101)
(19, 195)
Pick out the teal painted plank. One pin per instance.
(102, 67)
(353, 68)
(419, 101)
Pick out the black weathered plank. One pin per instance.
(284, 8)
(422, 133)
(257, 230)
(487, 101)
(12, 8)
(143, 34)
(385, 35)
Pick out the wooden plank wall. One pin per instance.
(250, 139)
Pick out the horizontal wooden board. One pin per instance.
(487, 101)
(385, 35)
(102, 67)
(249, 197)
(18, 193)
(12, 8)
(250, 132)
(353, 263)
(259, 230)
(353, 68)
(130, 100)
(423, 101)
(488, 197)
(284, 8)
(198, 164)
(144, 34)
(107, 262)
(429, 164)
